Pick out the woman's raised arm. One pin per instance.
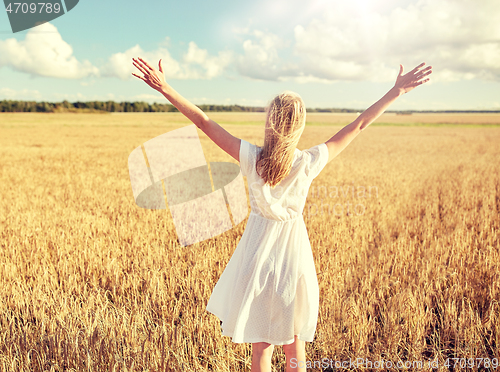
(404, 83)
(156, 80)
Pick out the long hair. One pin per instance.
(285, 121)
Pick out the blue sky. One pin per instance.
(333, 53)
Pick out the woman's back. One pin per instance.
(286, 200)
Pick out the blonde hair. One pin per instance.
(285, 121)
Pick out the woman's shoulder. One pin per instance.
(248, 157)
(314, 152)
(253, 150)
(248, 144)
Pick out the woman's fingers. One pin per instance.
(418, 67)
(140, 67)
(424, 74)
(139, 64)
(419, 74)
(417, 71)
(426, 70)
(140, 77)
(147, 64)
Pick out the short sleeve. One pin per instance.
(245, 157)
(317, 159)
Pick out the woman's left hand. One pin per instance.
(414, 78)
(154, 78)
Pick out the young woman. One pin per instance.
(268, 294)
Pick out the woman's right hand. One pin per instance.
(412, 79)
(154, 78)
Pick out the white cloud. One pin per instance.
(24, 94)
(71, 97)
(210, 66)
(305, 79)
(253, 102)
(87, 83)
(43, 52)
(196, 64)
(210, 101)
(459, 41)
(150, 98)
(366, 40)
(260, 58)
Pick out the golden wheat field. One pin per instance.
(404, 226)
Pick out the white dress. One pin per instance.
(269, 289)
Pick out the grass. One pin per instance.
(91, 282)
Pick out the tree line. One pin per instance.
(109, 106)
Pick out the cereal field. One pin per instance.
(404, 226)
